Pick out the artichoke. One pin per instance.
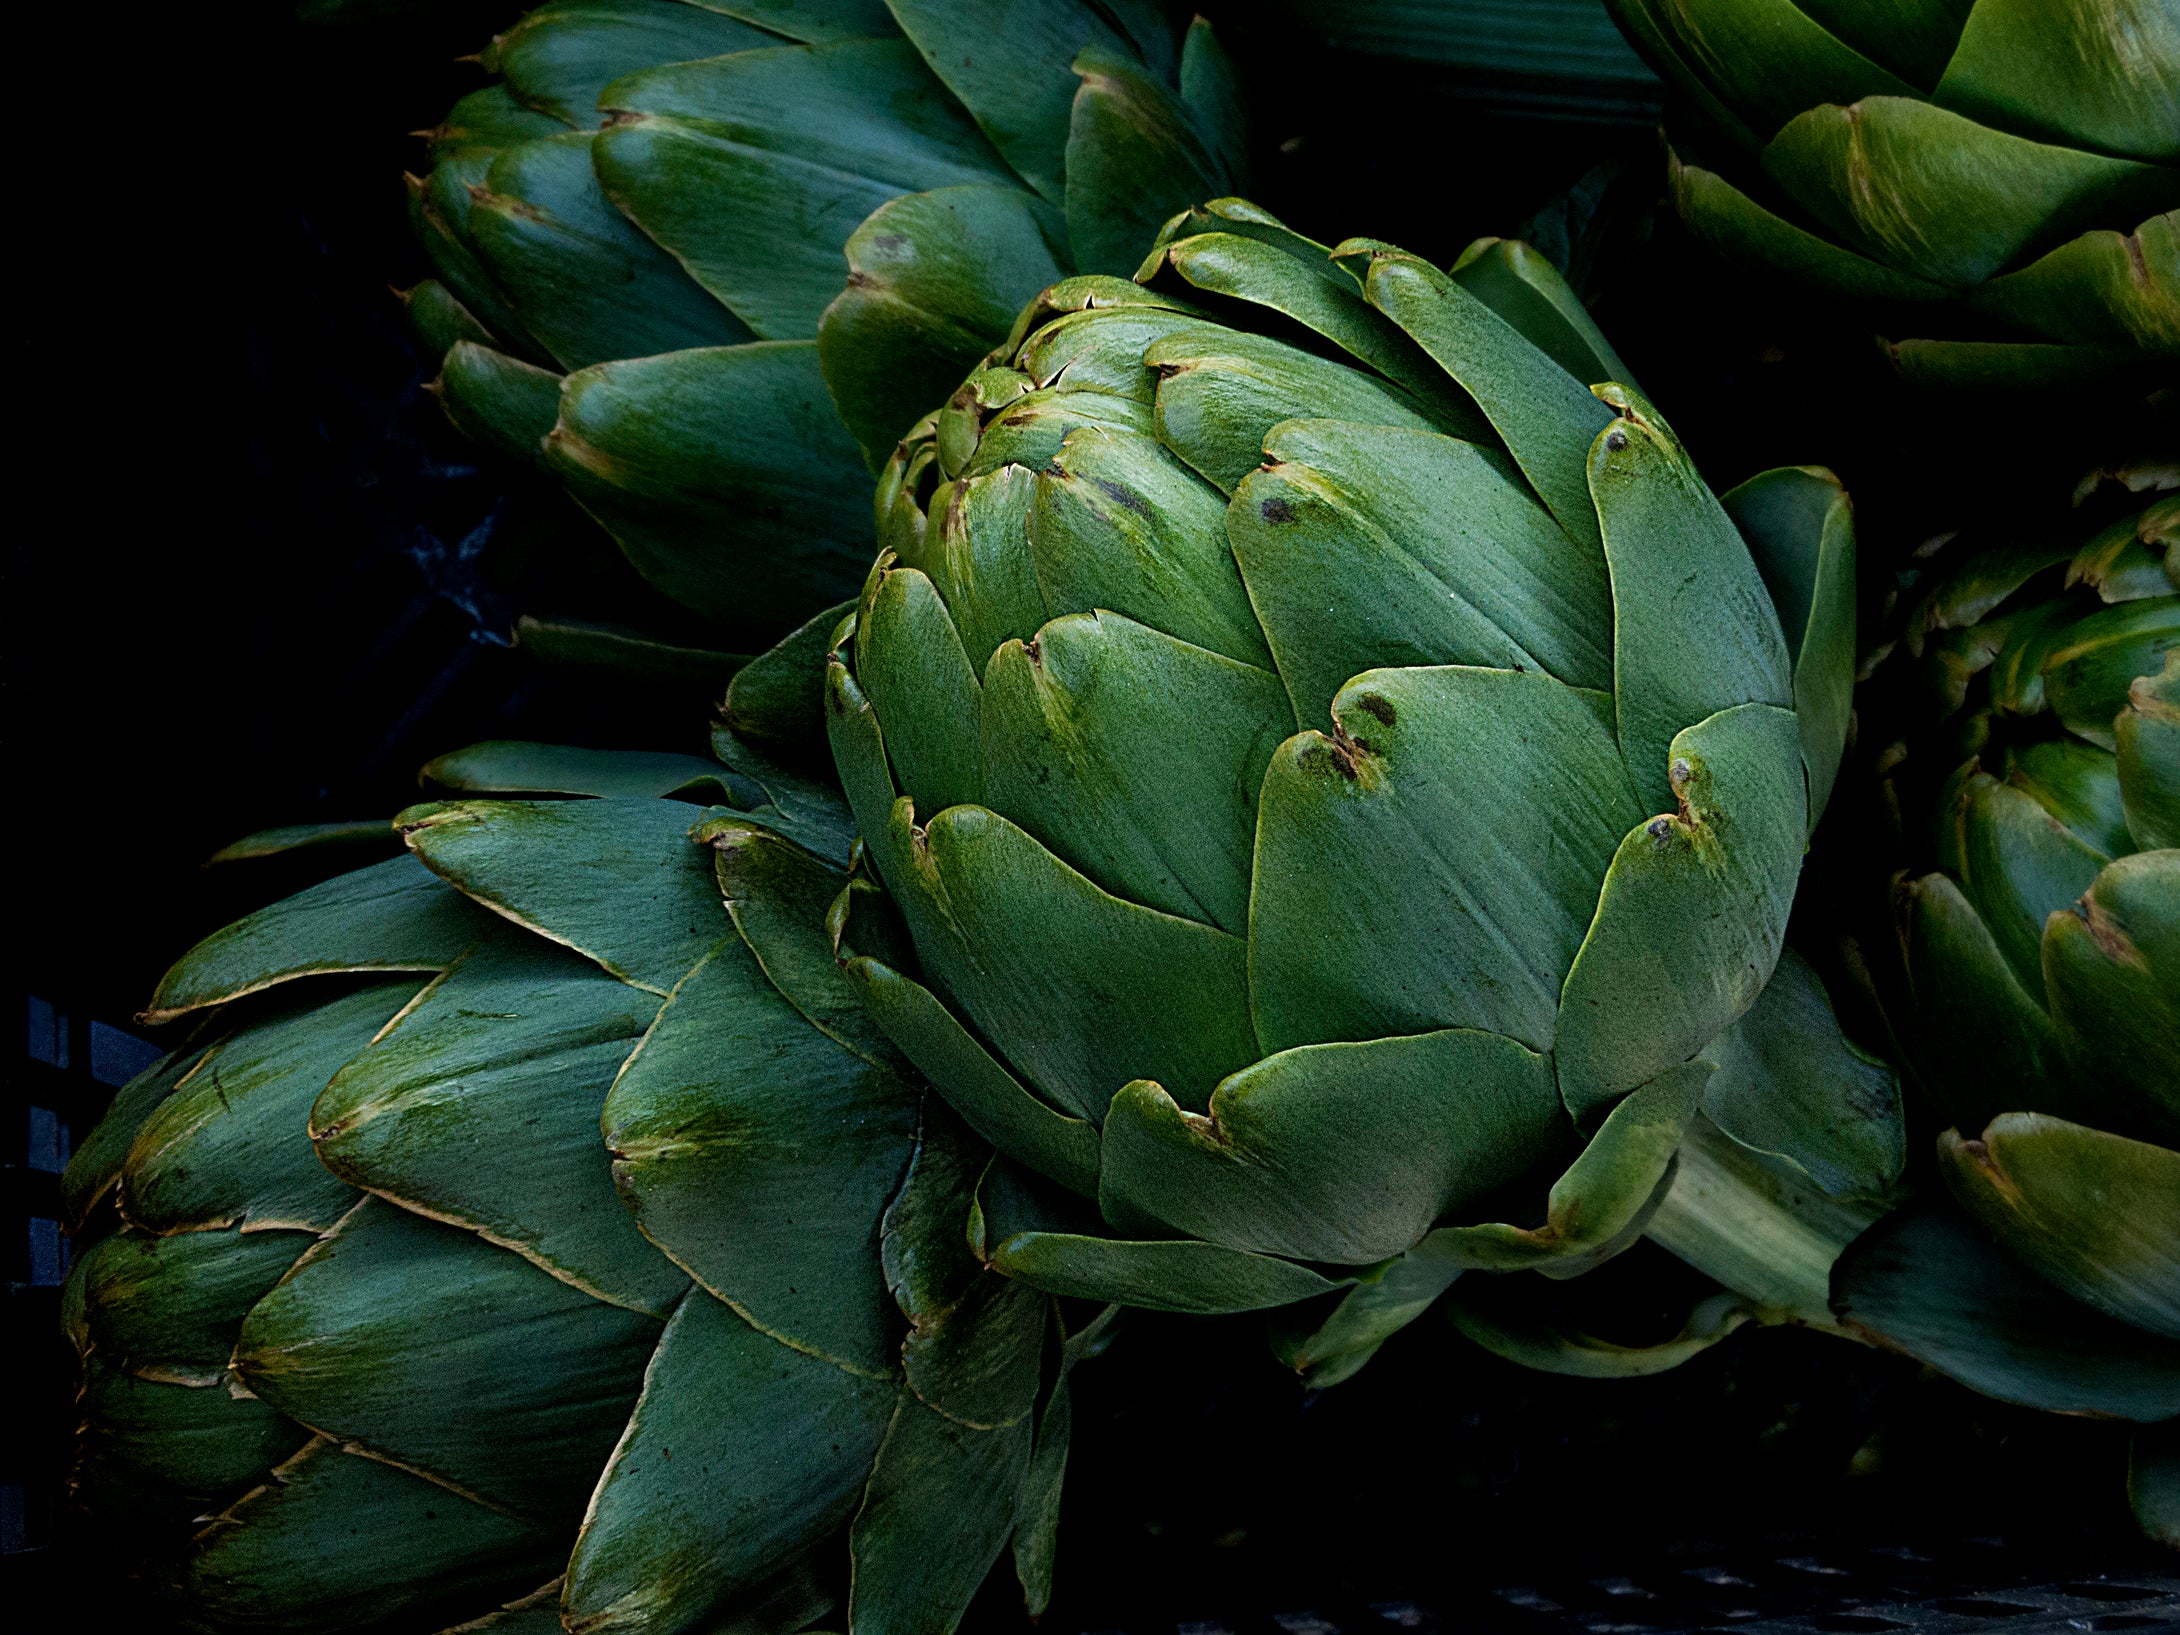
(2020, 160)
(2036, 988)
(370, 1339)
(702, 262)
(1337, 771)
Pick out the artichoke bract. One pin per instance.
(2036, 988)
(2022, 160)
(566, 1238)
(702, 262)
(1337, 770)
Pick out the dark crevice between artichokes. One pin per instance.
(562, 1228)
(1291, 1007)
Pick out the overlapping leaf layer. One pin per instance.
(553, 1215)
(2019, 158)
(701, 261)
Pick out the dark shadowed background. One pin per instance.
(255, 580)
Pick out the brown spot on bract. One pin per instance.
(1124, 495)
(1616, 439)
(1276, 510)
(2112, 942)
(1345, 751)
(1378, 705)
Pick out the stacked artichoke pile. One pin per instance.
(1321, 786)
(703, 261)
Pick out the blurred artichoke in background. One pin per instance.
(1541, 58)
(2019, 159)
(704, 263)
(370, 1340)
(2036, 989)
(1338, 770)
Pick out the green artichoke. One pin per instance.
(2036, 989)
(2018, 158)
(705, 262)
(370, 1339)
(1337, 771)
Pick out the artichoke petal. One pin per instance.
(393, 916)
(2103, 289)
(1177, 1274)
(511, 1052)
(1692, 914)
(166, 1452)
(1525, 289)
(499, 401)
(508, 766)
(2147, 734)
(2111, 965)
(616, 880)
(1128, 795)
(2019, 865)
(1682, 582)
(1884, 171)
(577, 272)
(1545, 415)
(991, 1100)
(375, 1337)
(1605, 1198)
(1504, 1330)
(1344, 1153)
(1220, 392)
(1768, 58)
(1297, 278)
(339, 1539)
(1745, 232)
(2090, 72)
(934, 279)
(1928, 1281)
(231, 1143)
(709, 464)
(782, 1443)
(1011, 64)
(560, 57)
(2092, 1213)
(1133, 158)
(1761, 1227)
(760, 1156)
(1985, 1042)
(1799, 526)
(1412, 875)
(910, 650)
(1118, 525)
(1369, 546)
